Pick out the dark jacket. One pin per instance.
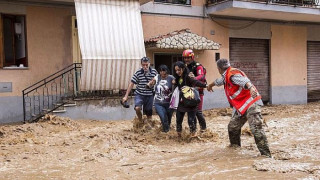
(199, 72)
(188, 81)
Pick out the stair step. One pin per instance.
(59, 111)
(66, 104)
(70, 104)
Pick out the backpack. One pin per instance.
(189, 96)
(194, 69)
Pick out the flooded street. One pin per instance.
(60, 148)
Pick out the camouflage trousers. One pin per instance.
(254, 118)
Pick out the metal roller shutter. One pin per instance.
(252, 57)
(313, 53)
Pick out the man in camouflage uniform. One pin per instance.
(243, 97)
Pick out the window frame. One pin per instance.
(25, 61)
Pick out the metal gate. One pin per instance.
(252, 57)
(313, 54)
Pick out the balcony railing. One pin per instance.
(182, 2)
(302, 3)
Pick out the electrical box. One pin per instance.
(5, 87)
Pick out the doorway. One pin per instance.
(166, 59)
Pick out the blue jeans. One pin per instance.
(145, 102)
(165, 115)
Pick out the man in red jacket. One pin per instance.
(198, 72)
(242, 96)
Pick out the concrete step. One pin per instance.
(70, 104)
(60, 111)
(66, 104)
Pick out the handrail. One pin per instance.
(58, 89)
(51, 92)
(179, 2)
(74, 64)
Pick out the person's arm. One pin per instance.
(200, 73)
(217, 82)
(130, 86)
(252, 88)
(134, 80)
(245, 83)
(152, 82)
(174, 85)
(240, 80)
(210, 86)
(196, 83)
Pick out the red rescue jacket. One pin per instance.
(238, 97)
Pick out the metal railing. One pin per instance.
(182, 2)
(51, 92)
(302, 3)
(58, 89)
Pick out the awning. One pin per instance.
(182, 39)
(111, 42)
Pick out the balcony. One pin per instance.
(302, 3)
(280, 10)
(178, 2)
(56, 2)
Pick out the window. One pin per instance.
(13, 41)
(185, 2)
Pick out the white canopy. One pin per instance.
(111, 42)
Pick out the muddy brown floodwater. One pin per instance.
(60, 148)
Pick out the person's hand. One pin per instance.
(210, 87)
(173, 81)
(148, 86)
(253, 92)
(191, 75)
(124, 99)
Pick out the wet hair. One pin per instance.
(181, 65)
(223, 64)
(165, 68)
(145, 60)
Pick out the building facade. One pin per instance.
(276, 43)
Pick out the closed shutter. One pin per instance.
(313, 48)
(252, 57)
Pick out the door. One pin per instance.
(76, 53)
(313, 57)
(252, 57)
(166, 59)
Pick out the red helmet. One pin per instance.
(188, 53)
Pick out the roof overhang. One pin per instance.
(255, 10)
(182, 39)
